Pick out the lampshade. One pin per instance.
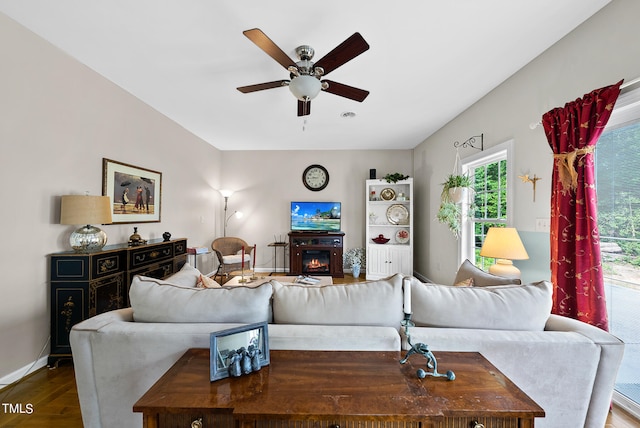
(226, 193)
(305, 87)
(86, 210)
(504, 244)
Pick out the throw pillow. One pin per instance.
(481, 278)
(206, 282)
(366, 303)
(154, 300)
(503, 307)
(465, 283)
(187, 276)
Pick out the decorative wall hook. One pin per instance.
(470, 142)
(526, 179)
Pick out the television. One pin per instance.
(315, 216)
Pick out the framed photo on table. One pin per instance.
(239, 351)
(135, 192)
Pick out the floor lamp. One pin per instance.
(226, 194)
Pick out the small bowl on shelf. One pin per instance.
(380, 239)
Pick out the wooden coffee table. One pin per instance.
(330, 389)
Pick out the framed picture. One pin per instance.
(136, 193)
(239, 351)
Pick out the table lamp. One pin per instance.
(504, 244)
(85, 210)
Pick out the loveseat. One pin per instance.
(566, 366)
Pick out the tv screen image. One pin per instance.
(315, 216)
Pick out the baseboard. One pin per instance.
(628, 405)
(15, 376)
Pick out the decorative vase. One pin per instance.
(457, 194)
(355, 270)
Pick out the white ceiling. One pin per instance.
(429, 60)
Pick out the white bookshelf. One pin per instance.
(389, 213)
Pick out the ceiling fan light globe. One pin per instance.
(305, 88)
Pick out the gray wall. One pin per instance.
(600, 52)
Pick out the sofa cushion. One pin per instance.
(205, 282)
(365, 303)
(515, 307)
(187, 276)
(479, 278)
(154, 300)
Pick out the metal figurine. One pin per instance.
(254, 353)
(235, 368)
(423, 349)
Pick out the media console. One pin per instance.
(316, 253)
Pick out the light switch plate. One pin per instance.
(543, 224)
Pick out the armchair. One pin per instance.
(229, 252)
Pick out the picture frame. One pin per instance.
(225, 345)
(135, 192)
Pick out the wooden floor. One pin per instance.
(53, 398)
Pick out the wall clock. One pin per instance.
(315, 177)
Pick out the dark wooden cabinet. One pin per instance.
(313, 253)
(84, 285)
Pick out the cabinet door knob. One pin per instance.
(197, 423)
(476, 424)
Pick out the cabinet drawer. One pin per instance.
(334, 423)
(146, 256)
(487, 422)
(160, 270)
(180, 247)
(70, 268)
(209, 420)
(107, 264)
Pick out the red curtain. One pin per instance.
(576, 267)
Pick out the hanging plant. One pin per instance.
(454, 189)
(450, 214)
(454, 192)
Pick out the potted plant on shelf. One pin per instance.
(355, 258)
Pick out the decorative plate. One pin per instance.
(402, 236)
(387, 194)
(398, 214)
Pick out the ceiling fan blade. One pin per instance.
(269, 47)
(304, 108)
(263, 86)
(346, 91)
(343, 53)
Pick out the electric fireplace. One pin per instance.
(313, 253)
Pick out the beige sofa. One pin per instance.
(566, 366)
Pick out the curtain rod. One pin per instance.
(630, 82)
(534, 125)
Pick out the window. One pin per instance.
(490, 172)
(618, 186)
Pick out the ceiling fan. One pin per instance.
(305, 75)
